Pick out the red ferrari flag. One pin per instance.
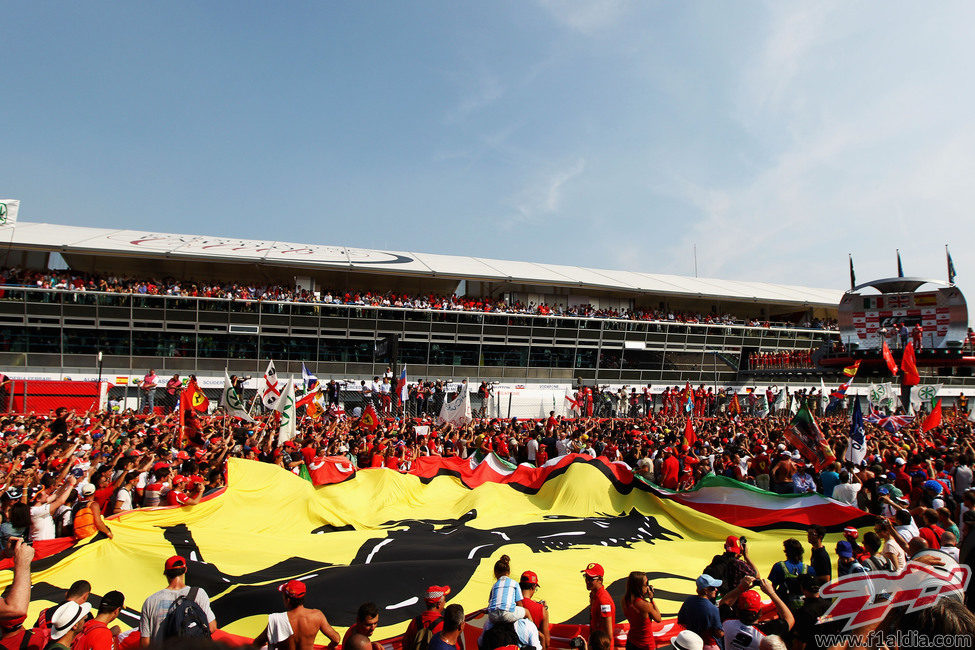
(889, 358)
(197, 400)
(690, 437)
(910, 376)
(369, 419)
(191, 400)
(933, 418)
(735, 405)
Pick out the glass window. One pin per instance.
(213, 304)
(610, 359)
(116, 300)
(504, 355)
(168, 344)
(79, 341)
(413, 352)
(13, 339)
(276, 308)
(453, 354)
(251, 306)
(241, 346)
(44, 296)
(551, 357)
(586, 358)
(345, 351)
(44, 339)
(114, 342)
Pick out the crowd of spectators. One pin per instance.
(78, 281)
(64, 474)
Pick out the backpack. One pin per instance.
(424, 633)
(791, 591)
(185, 618)
(718, 569)
(499, 636)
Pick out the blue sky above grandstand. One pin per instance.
(777, 136)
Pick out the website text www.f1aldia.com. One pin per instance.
(895, 639)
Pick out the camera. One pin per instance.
(577, 642)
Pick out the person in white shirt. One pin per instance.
(532, 449)
(561, 445)
(845, 491)
(45, 506)
(123, 499)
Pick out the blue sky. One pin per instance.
(777, 137)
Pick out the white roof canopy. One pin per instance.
(103, 241)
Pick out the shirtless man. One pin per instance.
(305, 623)
(366, 622)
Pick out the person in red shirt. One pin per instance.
(670, 470)
(931, 532)
(15, 637)
(602, 610)
(432, 618)
(96, 634)
(106, 488)
(640, 611)
(184, 492)
(541, 456)
(536, 608)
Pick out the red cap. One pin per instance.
(529, 577)
(594, 570)
(160, 465)
(750, 601)
(851, 531)
(436, 592)
(182, 455)
(175, 562)
(293, 588)
(731, 544)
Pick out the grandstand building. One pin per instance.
(652, 328)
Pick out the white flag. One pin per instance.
(823, 396)
(458, 410)
(8, 211)
(271, 390)
(780, 403)
(971, 415)
(231, 401)
(890, 402)
(924, 394)
(761, 406)
(794, 406)
(286, 406)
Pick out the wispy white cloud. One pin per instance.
(586, 16)
(487, 89)
(543, 196)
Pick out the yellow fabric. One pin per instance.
(267, 514)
